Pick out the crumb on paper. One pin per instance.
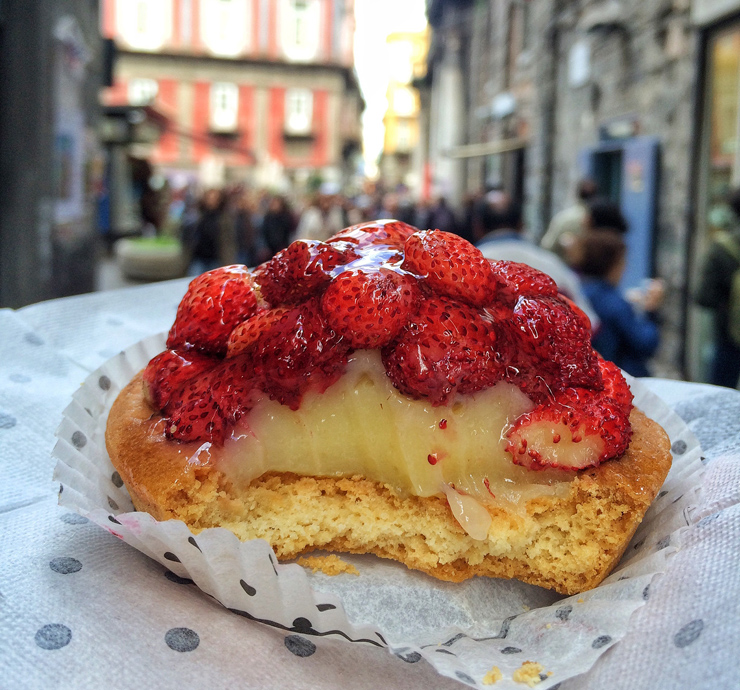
(548, 626)
(529, 673)
(525, 607)
(580, 600)
(329, 565)
(493, 676)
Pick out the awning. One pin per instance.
(486, 148)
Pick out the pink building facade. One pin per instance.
(260, 91)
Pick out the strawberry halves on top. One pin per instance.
(214, 304)
(578, 428)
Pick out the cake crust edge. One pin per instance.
(567, 543)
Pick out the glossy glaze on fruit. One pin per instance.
(448, 324)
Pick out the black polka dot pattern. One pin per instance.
(53, 636)
(182, 639)
(679, 447)
(646, 593)
(73, 519)
(79, 440)
(177, 579)
(409, 657)
(511, 650)
(112, 503)
(171, 557)
(663, 543)
(7, 421)
(116, 479)
(65, 565)
(251, 591)
(563, 613)
(299, 646)
(464, 677)
(601, 641)
(33, 339)
(104, 383)
(689, 633)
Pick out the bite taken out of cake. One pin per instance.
(391, 391)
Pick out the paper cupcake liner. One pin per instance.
(461, 629)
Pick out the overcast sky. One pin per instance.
(375, 20)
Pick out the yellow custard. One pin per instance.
(362, 425)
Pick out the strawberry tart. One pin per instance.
(391, 391)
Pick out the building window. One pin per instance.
(226, 26)
(224, 107)
(145, 24)
(142, 91)
(298, 112)
(300, 24)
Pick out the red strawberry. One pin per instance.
(393, 233)
(451, 266)
(370, 308)
(171, 370)
(296, 272)
(553, 347)
(447, 346)
(247, 332)
(208, 406)
(299, 351)
(214, 303)
(615, 386)
(522, 280)
(577, 311)
(577, 430)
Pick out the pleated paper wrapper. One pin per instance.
(462, 629)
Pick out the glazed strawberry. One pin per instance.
(615, 387)
(301, 269)
(213, 305)
(582, 316)
(446, 347)
(393, 233)
(369, 308)
(247, 332)
(572, 433)
(521, 280)
(553, 347)
(298, 352)
(451, 266)
(171, 370)
(208, 406)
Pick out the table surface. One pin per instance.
(69, 617)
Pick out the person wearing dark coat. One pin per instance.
(278, 225)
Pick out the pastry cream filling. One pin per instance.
(362, 425)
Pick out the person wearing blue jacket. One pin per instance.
(627, 336)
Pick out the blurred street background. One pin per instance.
(144, 140)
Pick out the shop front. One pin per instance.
(716, 158)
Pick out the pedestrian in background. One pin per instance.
(210, 240)
(278, 225)
(718, 270)
(627, 336)
(570, 223)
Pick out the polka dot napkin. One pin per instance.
(460, 629)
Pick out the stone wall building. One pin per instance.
(620, 90)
